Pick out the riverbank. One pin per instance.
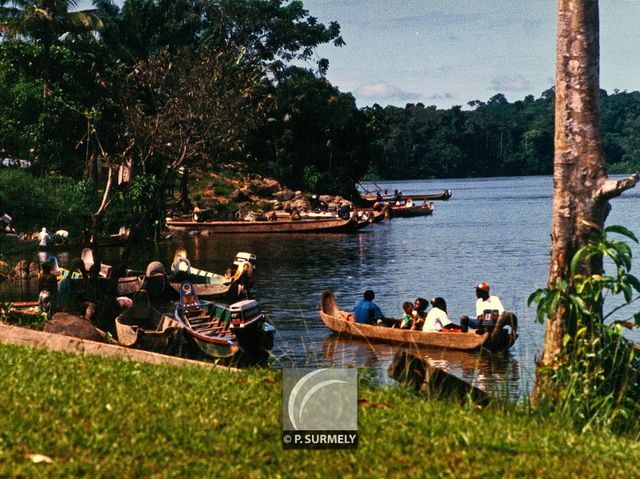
(89, 416)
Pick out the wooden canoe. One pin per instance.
(443, 196)
(211, 285)
(319, 225)
(338, 322)
(213, 291)
(404, 211)
(150, 331)
(222, 331)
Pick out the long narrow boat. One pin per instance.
(113, 241)
(144, 327)
(222, 331)
(500, 339)
(212, 285)
(403, 210)
(319, 225)
(373, 197)
(65, 244)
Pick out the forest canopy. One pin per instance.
(213, 84)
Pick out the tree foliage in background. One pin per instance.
(495, 138)
(234, 59)
(315, 139)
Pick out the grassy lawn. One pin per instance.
(108, 418)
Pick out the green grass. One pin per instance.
(98, 417)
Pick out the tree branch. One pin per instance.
(613, 188)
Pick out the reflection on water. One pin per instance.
(493, 229)
(497, 373)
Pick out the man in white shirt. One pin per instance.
(485, 301)
(437, 318)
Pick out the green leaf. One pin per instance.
(535, 296)
(579, 304)
(577, 258)
(621, 230)
(634, 282)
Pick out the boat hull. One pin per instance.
(338, 322)
(445, 195)
(213, 331)
(158, 333)
(213, 291)
(412, 211)
(328, 225)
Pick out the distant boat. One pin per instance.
(303, 225)
(500, 339)
(408, 209)
(373, 197)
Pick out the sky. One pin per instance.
(450, 52)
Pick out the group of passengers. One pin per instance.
(416, 317)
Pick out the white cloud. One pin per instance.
(515, 83)
(383, 91)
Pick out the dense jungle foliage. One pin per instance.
(157, 85)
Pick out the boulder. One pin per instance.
(266, 187)
(72, 325)
(285, 194)
(240, 195)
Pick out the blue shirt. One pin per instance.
(367, 312)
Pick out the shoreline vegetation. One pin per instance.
(90, 416)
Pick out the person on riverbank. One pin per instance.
(48, 287)
(366, 311)
(197, 213)
(44, 238)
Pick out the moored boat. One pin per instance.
(222, 331)
(144, 327)
(210, 285)
(373, 197)
(302, 225)
(112, 241)
(408, 209)
(501, 338)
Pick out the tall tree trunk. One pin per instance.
(581, 189)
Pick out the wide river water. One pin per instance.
(494, 230)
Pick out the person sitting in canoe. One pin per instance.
(419, 313)
(485, 301)
(407, 318)
(437, 319)
(366, 311)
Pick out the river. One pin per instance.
(494, 230)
